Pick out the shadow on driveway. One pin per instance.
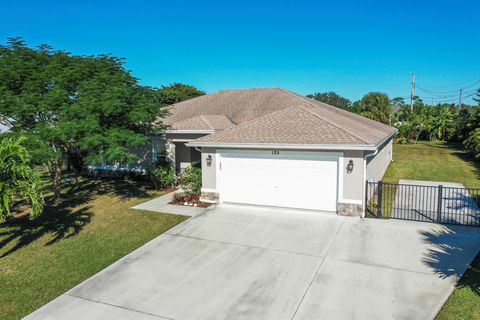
(445, 256)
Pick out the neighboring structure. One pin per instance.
(276, 148)
(4, 126)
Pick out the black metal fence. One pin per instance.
(429, 203)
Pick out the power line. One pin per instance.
(440, 96)
(476, 84)
(455, 84)
(448, 100)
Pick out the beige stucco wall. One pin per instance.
(181, 155)
(209, 174)
(377, 165)
(353, 181)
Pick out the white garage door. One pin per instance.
(303, 180)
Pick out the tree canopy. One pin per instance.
(177, 92)
(332, 98)
(374, 105)
(62, 102)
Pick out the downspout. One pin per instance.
(365, 157)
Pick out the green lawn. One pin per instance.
(435, 161)
(89, 230)
(450, 163)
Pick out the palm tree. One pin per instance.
(18, 179)
(443, 122)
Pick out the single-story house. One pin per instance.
(273, 147)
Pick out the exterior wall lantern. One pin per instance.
(208, 160)
(350, 166)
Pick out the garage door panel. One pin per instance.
(237, 184)
(285, 182)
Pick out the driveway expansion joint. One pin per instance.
(117, 306)
(248, 246)
(318, 269)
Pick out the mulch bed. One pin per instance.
(189, 200)
(194, 203)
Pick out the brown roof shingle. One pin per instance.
(274, 115)
(294, 125)
(204, 122)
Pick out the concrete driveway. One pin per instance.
(254, 263)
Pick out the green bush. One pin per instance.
(472, 143)
(185, 197)
(161, 175)
(191, 179)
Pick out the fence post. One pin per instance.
(365, 204)
(439, 203)
(379, 200)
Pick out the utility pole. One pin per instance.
(460, 100)
(413, 91)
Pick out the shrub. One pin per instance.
(472, 143)
(161, 175)
(185, 197)
(191, 179)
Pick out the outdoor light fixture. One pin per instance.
(208, 160)
(350, 166)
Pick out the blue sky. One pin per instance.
(350, 47)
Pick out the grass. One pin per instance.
(90, 229)
(434, 161)
(438, 161)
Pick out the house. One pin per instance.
(273, 147)
(4, 126)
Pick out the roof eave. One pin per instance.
(193, 131)
(283, 146)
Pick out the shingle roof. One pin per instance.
(204, 122)
(238, 105)
(275, 115)
(294, 125)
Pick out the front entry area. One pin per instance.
(290, 179)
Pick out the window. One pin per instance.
(159, 150)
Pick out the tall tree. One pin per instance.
(18, 178)
(177, 92)
(63, 102)
(374, 105)
(332, 98)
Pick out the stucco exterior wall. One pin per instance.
(209, 174)
(181, 155)
(353, 181)
(377, 165)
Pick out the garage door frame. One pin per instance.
(282, 154)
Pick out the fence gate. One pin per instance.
(426, 203)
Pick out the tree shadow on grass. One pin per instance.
(451, 253)
(57, 221)
(70, 216)
(91, 187)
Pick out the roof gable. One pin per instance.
(224, 109)
(294, 125)
(238, 105)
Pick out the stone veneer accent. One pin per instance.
(211, 197)
(349, 209)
